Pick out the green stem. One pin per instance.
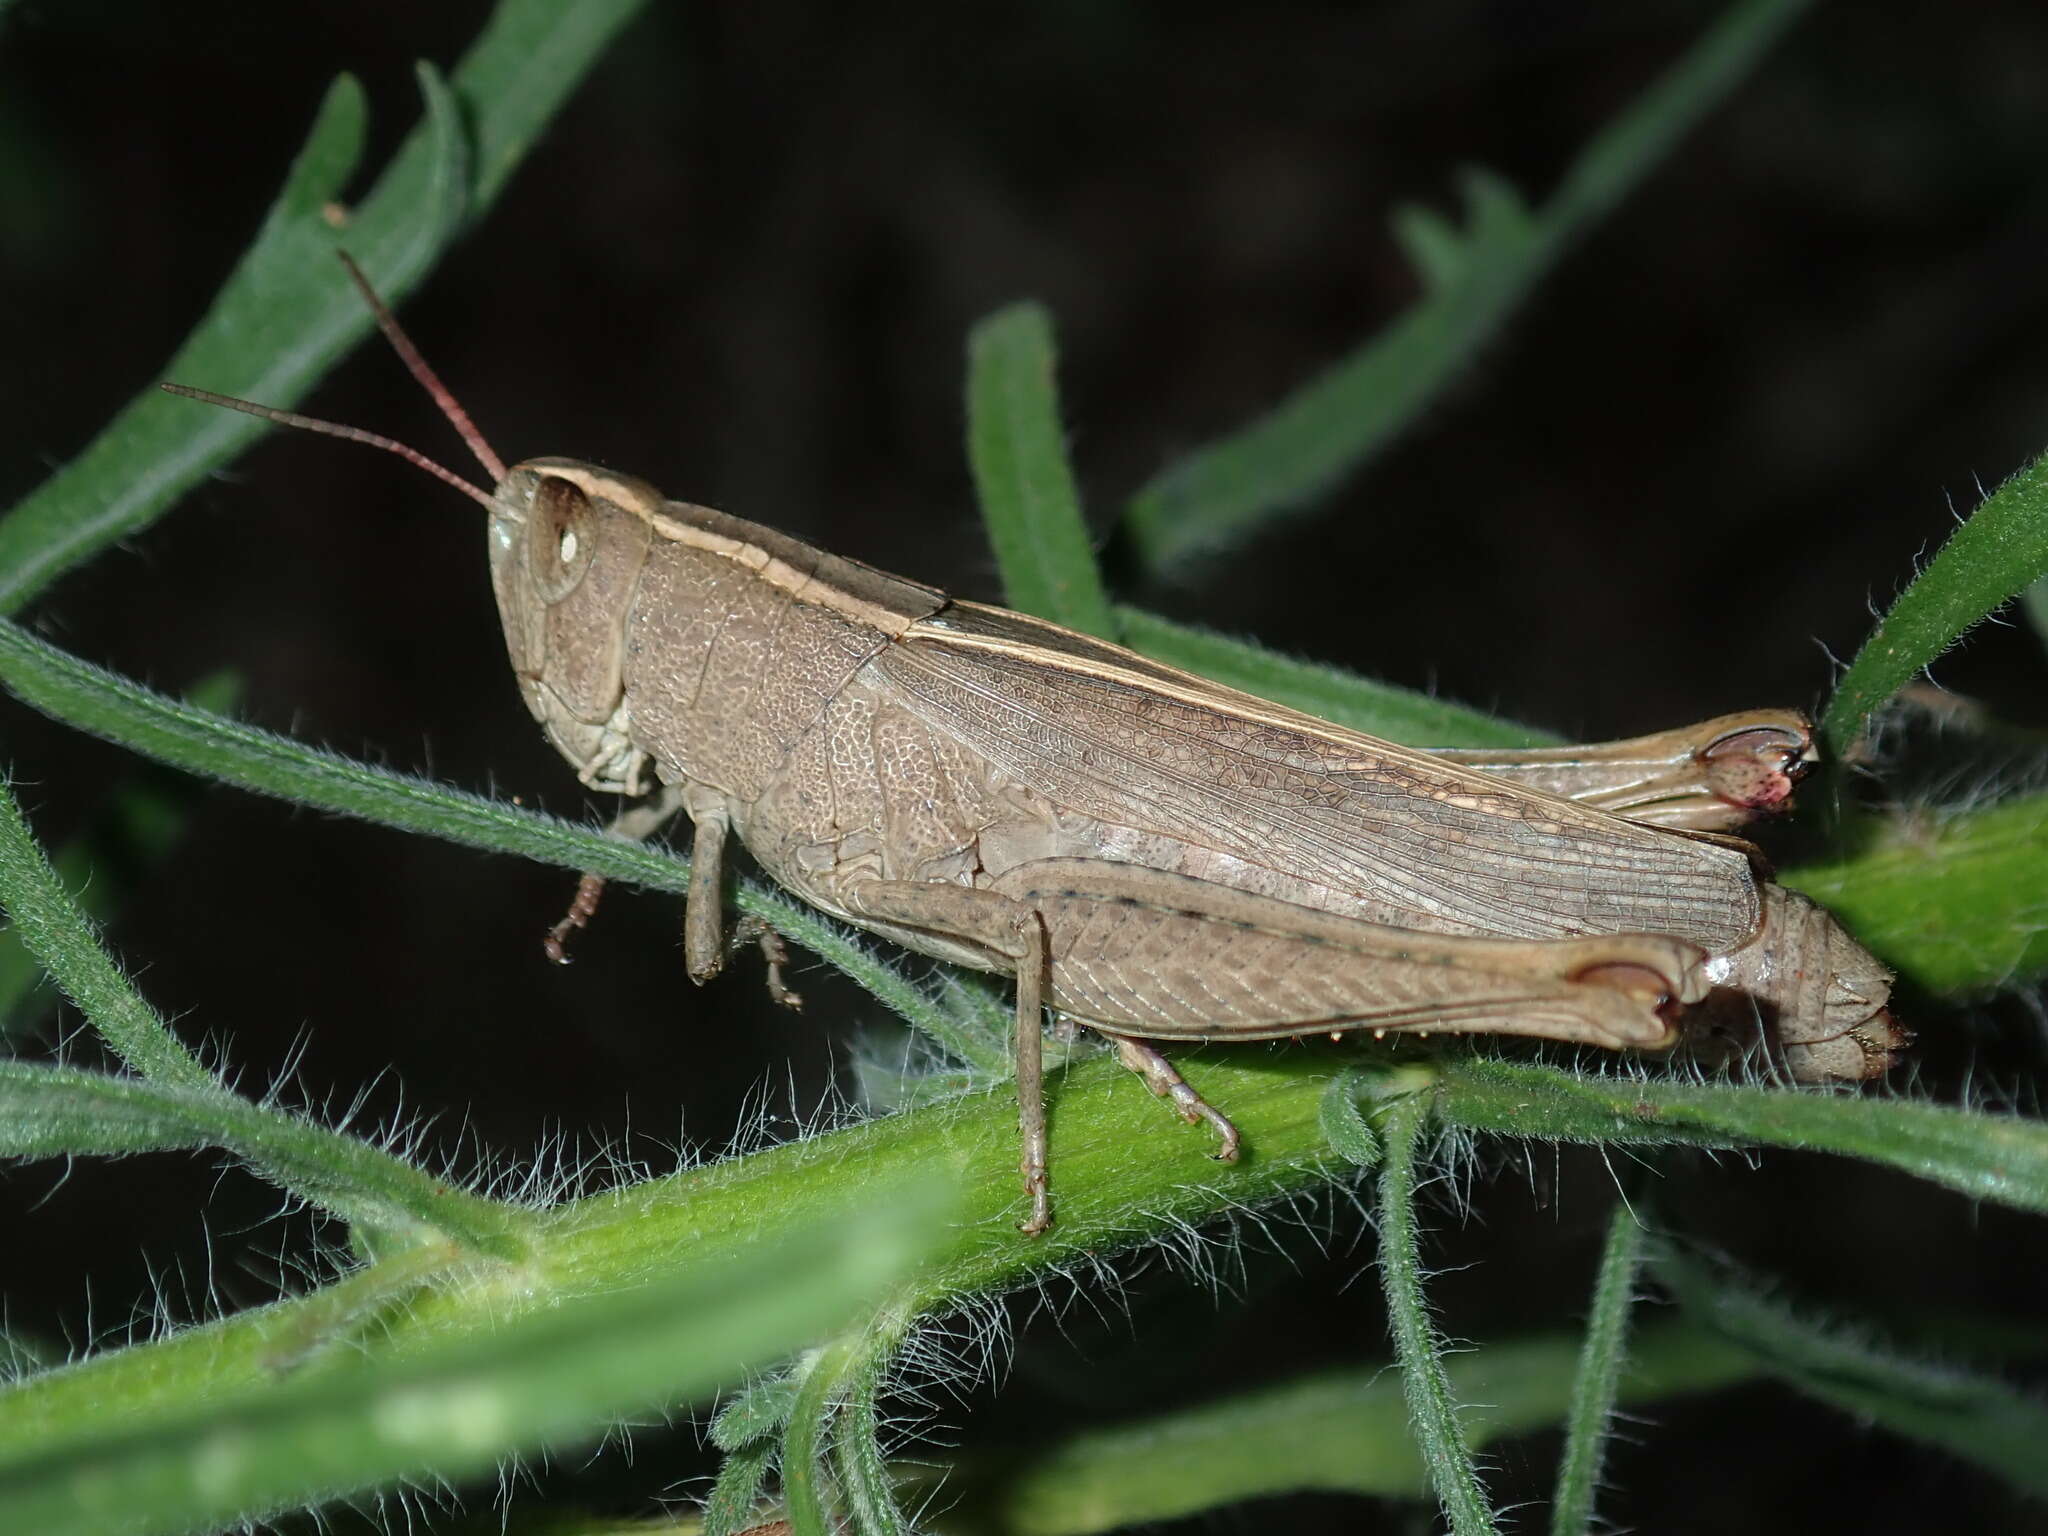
(61, 937)
(856, 1444)
(1417, 1345)
(1597, 1383)
(52, 1111)
(806, 1485)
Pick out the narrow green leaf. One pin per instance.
(1972, 1415)
(47, 920)
(1596, 1384)
(53, 1111)
(755, 1413)
(808, 1492)
(1432, 1410)
(864, 1477)
(199, 741)
(1021, 476)
(1329, 693)
(133, 828)
(734, 1496)
(1476, 277)
(458, 1403)
(1341, 1431)
(2001, 1158)
(288, 292)
(1350, 1133)
(1994, 556)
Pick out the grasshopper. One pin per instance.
(1152, 855)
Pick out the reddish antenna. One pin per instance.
(428, 379)
(417, 366)
(335, 429)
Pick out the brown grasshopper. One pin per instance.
(1152, 855)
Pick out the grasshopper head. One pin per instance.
(568, 542)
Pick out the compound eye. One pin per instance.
(561, 533)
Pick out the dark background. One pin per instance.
(742, 265)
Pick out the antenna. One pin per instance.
(417, 365)
(428, 379)
(335, 429)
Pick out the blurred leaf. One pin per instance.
(1474, 278)
(1956, 902)
(456, 1404)
(2034, 603)
(1343, 1431)
(1968, 1413)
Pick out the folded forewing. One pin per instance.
(1136, 744)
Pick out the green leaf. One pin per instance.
(1021, 475)
(286, 314)
(130, 832)
(46, 919)
(1344, 1124)
(864, 1477)
(1329, 693)
(1342, 1430)
(1476, 277)
(755, 1413)
(1993, 557)
(731, 1508)
(1956, 902)
(2000, 1158)
(1972, 1415)
(1432, 1410)
(808, 1491)
(457, 1402)
(1596, 1385)
(53, 1111)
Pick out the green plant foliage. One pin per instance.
(1967, 1412)
(1603, 1360)
(1026, 489)
(1999, 552)
(1339, 1431)
(459, 1400)
(1473, 279)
